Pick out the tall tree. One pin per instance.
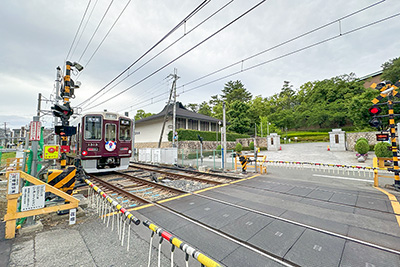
(391, 70)
(193, 107)
(141, 114)
(238, 117)
(235, 91)
(205, 109)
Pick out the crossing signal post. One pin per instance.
(64, 179)
(388, 90)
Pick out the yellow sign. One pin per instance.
(51, 152)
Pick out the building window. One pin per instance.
(213, 127)
(204, 125)
(193, 124)
(180, 123)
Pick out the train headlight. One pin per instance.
(84, 153)
(130, 151)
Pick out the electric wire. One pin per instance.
(191, 14)
(102, 41)
(186, 52)
(95, 31)
(80, 24)
(162, 51)
(281, 56)
(281, 44)
(84, 27)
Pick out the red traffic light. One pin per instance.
(374, 110)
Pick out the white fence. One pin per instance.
(159, 155)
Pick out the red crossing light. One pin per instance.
(374, 110)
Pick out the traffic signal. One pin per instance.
(375, 122)
(62, 111)
(375, 110)
(200, 138)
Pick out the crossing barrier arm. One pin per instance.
(200, 257)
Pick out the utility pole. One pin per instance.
(5, 135)
(174, 134)
(224, 138)
(166, 113)
(255, 146)
(57, 98)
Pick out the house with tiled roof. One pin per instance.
(148, 130)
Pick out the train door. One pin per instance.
(110, 137)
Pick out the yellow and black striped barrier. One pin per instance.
(63, 180)
(200, 257)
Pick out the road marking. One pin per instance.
(172, 198)
(318, 248)
(394, 202)
(278, 234)
(343, 178)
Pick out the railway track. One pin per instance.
(185, 174)
(133, 191)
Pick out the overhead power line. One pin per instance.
(191, 14)
(84, 27)
(95, 31)
(102, 41)
(274, 59)
(194, 47)
(162, 51)
(76, 34)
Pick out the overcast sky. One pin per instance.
(37, 35)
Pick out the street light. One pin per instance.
(268, 124)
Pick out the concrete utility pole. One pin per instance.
(5, 135)
(57, 98)
(174, 110)
(166, 112)
(224, 140)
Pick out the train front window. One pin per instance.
(111, 132)
(124, 130)
(92, 128)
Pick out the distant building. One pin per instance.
(148, 130)
(372, 78)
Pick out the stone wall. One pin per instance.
(351, 139)
(207, 145)
(261, 141)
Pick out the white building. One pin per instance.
(148, 130)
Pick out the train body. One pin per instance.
(103, 141)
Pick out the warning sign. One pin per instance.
(51, 152)
(33, 197)
(13, 183)
(34, 129)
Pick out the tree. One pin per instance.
(391, 70)
(238, 117)
(193, 107)
(235, 91)
(141, 114)
(205, 109)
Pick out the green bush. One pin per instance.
(251, 145)
(188, 135)
(371, 147)
(238, 147)
(362, 147)
(382, 150)
(362, 138)
(219, 147)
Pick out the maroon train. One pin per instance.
(103, 141)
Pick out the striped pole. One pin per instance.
(394, 143)
(200, 257)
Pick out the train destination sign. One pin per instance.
(382, 137)
(33, 197)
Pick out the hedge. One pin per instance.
(190, 135)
